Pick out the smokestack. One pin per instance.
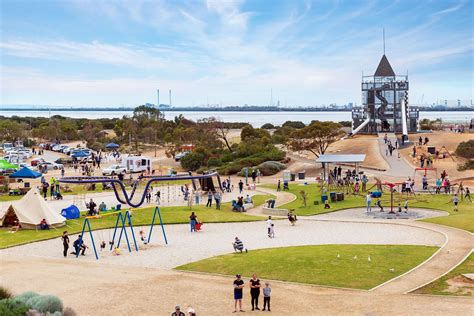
(170, 97)
(157, 97)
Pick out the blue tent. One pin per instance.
(71, 212)
(112, 146)
(26, 172)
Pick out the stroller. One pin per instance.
(198, 226)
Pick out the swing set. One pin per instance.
(125, 219)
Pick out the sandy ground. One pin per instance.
(450, 140)
(95, 288)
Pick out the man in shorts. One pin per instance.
(238, 292)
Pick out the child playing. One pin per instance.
(455, 202)
(266, 296)
(379, 204)
(326, 204)
(271, 233)
(399, 208)
(143, 237)
(406, 206)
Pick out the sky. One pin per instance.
(300, 53)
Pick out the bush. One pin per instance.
(192, 161)
(46, 303)
(466, 149)
(269, 168)
(346, 123)
(96, 146)
(12, 307)
(268, 126)
(294, 124)
(214, 162)
(68, 311)
(469, 165)
(25, 297)
(5, 293)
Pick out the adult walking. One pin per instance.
(65, 239)
(238, 292)
(254, 291)
(193, 221)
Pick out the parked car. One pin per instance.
(52, 165)
(37, 161)
(63, 161)
(180, 155)
(113, 170)
(56, 147)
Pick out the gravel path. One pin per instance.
(216, 239)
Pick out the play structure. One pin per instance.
(385, 106)
(134, 199)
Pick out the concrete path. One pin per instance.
(398, 166)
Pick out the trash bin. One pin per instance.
(301, 175)
(432, 150)
(333, 197)
(293, 177)
(324, 198)
(340, 196)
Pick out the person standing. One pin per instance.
(209, 199)
(364, 182)
(177, 311)
(279, 186)
(193, 221)
(217, 198)
(238, 292)
(254, 291)
(65, 239)
(241, 186)
(267, 291)
(368, 199)
(455, 202)
(269, 225)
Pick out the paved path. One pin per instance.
(216, 239)
(398, 166)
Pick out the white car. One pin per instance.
(52, 165)
(114, 170)
(178, 156)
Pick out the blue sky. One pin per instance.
(109, 53)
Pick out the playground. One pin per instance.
(148, 247)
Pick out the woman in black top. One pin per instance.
(254, 291)
(65, 239)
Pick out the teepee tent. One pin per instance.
(29, 212)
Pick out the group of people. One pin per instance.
(255, 286)
(53, 186)
(390, 147)
(78, 245)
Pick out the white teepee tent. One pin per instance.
(30, 210)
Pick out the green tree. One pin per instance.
(11, 130)
(315, 137)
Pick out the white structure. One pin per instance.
(137, 164)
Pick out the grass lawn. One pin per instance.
(441, 286)
(142, 216)
(319, 264)
(463, 219)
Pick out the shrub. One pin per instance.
(294, 124)
(192, 161)
(269, 168)
(214, 162)
(268, 126)
(68, 311)
(25, 297)
(12, 307)
(346, 123)
(469, 165)
(5, 293)
(46, 303)
(96, 146)
(466, 149)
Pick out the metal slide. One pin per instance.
(361, 126)
(404, 120)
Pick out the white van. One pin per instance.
(137, 163)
